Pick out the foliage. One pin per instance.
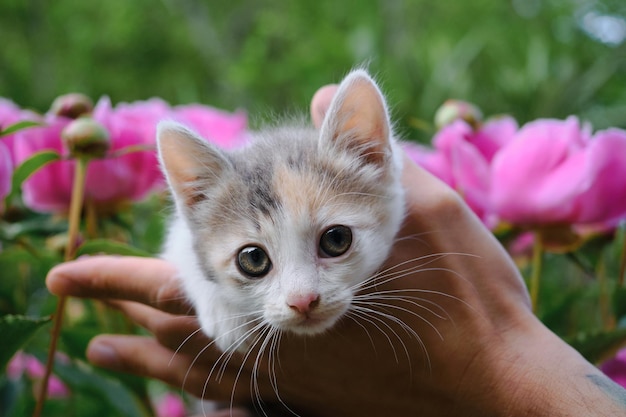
(529, 59)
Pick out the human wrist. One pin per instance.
(543, 376)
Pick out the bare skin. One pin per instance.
(476, 350)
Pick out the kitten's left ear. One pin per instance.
(357, 119)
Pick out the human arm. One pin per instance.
(476, 350)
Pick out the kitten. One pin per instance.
(281, 232)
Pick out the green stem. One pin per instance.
(78, 191)
(536, 271)
(604, 300)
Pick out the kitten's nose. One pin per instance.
(303, 303)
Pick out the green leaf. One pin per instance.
(19, 126)
(595, 346)
(83, 378)
(96, 246)
(16, 331)
(34, 225)
(29, 167)
(619, 302)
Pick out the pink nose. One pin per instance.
(303, 303)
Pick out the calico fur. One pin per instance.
(280, 193)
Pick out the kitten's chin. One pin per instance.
(309, 326)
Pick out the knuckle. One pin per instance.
(169, 297)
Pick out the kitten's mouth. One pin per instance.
(310, 325)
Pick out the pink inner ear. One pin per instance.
(188, 159)
(177, 162)
(361, 119)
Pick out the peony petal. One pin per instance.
(56, 388)
(48, 189)
(493, 135)
(432, 161)
(471, 176)
(604, 200)
(15, 367)
(170, 405)
(227, 130)
(447, 138)
(536, 177)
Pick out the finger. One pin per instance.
(321, 102)
(179, 333)
(129, 354)
(149, 281)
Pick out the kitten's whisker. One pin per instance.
(407, 299)
(195, 359)
(243, 362)
(257, 313)
(415, 236)
(275, 337)
(419, 270)
(363, 312)
(373, 312)
(350, 314)
(406, 310)
(224, 358)
(254, 385)
(422, 291)
(234, 347)
(195, 332)
(375, 279)
(430, 258)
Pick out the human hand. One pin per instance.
(460, 310)
(449, 331)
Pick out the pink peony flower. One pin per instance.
(554, 172)
(227, 130)
(128, 177)
(615, 368)
(10, 114)
(23, 363)
(462, 158)
(170, 405)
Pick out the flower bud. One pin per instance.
(86, 138)
(71, 105)
(453, 110)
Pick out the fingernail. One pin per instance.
(103, 354)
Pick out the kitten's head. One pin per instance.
(287, 228)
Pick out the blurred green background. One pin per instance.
(529, 58)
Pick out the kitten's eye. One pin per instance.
(253, 261)
(336, 241)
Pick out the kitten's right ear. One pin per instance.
(190, 164)
(357, 119)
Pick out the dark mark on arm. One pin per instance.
(613, 390)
